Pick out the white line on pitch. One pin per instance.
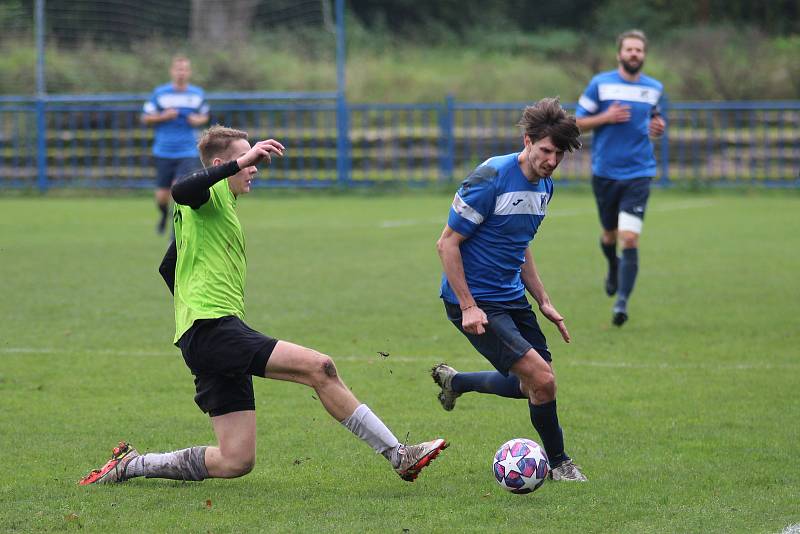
(369, 358)
(569, 212)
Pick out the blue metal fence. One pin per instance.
(98, 140)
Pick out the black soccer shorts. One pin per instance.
(223, 355)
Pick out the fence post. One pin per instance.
(447, 142)
(343, 163)
(665, 149)
(41, 144)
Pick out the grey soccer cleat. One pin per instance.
(567, 470)
(443, 376)
(413, 458)
(114, 469)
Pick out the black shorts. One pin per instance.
(512, 331)
(614, 196)
(223, 355)
(170, 169)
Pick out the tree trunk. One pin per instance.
(216, 23)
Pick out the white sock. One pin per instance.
(185, 464)
(366, 425)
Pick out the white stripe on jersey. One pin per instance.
(180, 101)
(588, 104)
(466, 211)
(149, 107)
(521, 203)
(631, 93)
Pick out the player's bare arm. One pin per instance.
(657, 126)
(533, 283)
(148, 119)
(615, 113)
(197, 119)
(448, 247)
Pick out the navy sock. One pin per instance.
(628, 268)
(545, 420)
(610, 252)
(488, 382)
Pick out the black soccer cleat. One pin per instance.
(619, 318)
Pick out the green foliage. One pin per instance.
(686, 420)
(485, 62)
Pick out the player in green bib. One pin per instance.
(205, 268)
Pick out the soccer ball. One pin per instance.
(520, 465)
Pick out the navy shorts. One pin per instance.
(512, 331)
(170, 169)
(614, 196)
(223, 355)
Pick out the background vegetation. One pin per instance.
(410, 51)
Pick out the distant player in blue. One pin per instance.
(176, 109)
(488, 265)
(623, 108)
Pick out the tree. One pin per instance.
(222, 23)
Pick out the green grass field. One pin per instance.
(685, 420)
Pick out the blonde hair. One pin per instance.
(215, 141)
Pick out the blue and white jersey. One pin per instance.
(622, 151)
(499, 211)
(176, 138)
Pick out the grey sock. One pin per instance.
(185, 464)
(366, 425)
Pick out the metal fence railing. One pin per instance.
(98, 140)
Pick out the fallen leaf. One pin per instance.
(208, 503)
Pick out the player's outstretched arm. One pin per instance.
(192, 189)
(533, 283)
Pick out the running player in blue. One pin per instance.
(176, 110)
(622, 106)
(488, 265)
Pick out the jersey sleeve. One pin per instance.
(204, 108)
(151, 106)
(589, 102)
(474, 201)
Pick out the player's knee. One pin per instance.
(241, 465)
(324, 370)
(541, 388)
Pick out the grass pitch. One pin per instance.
(685, 420)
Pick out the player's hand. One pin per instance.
(657, 126)
(617, 113)
(549, 311)
(473, 319)
(169, 114)
(261, 151)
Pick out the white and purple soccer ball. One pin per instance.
(520, 465)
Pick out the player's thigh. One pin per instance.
(607, 198)
(533, 370)
(236, 433)
(184, 166)
(501, 344)
(633, 204)
(296, 363)
(165, 171)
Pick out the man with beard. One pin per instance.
(622, 106)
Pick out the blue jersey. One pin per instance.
(622, 151)
(176, 138)
(499, 211)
